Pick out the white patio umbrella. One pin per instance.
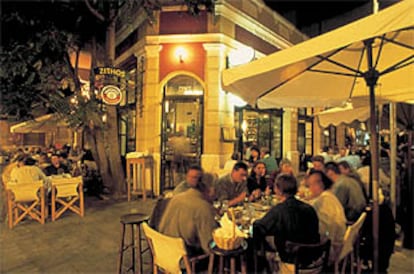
(369, 60)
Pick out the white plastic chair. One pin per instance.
(167, 252)
(351, 240)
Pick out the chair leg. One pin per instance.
(233, 265)
(10, 213)
(221, 264)
(81, 200)
(53, 205)
(133, 248)
(344, 263)
(210, 264)
(138, 247)
(121, 249)
(243, 265)
(352, 263)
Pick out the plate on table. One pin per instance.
(260, 207)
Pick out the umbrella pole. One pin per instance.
(371, 78)
(393, 158)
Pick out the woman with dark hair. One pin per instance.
(256, 182)
(254, 155)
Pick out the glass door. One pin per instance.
(262, 128)
(181, 139)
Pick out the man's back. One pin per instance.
(271, 164)
(26, 174)
(351, 196)
(291, 220)
(189, 216)
(181, 187)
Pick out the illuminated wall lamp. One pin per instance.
(181, 54)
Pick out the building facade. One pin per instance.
(174, 107)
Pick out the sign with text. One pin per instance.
(111, 84)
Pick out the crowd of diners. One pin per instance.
(312, 206)
(39, 163)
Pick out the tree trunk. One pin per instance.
(115, 175)
(105, 141)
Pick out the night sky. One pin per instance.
(303, 13)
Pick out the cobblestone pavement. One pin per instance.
(90, 244)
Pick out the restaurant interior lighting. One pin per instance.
(236, 100)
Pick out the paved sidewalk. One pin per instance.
(90, 244)
(71, 244)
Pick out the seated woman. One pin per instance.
(254, 155)
(256, 182)
(285, 166)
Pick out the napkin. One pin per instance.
(226, 228)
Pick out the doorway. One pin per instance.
(182, 120)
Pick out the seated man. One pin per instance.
(331, 215)
(233, 186)
(318, 163)
(56, 167)
(346, 169)
(27, 172)
(290, 220)
(192, 177)
(348, 191)
(190, 215)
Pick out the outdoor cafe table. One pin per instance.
(245, 216)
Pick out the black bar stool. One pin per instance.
(134, 220)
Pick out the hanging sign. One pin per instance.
(111, 84)
(111, 95)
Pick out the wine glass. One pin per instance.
(217, 206)
(224, 206)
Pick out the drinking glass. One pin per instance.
(224, 206)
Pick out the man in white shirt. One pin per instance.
(27, 173)
(331, 214)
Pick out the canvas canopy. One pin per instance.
(346, 115)
(297, 76)
(45, 123)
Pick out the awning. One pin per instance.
(328, 70)
(45, 123)
(342, 115)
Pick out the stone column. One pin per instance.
(290, 137)
(318, 137)
(340, 135)
(148, 124)
(216, 112)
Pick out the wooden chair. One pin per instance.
(167, 252)
(349, 246)
(26, 199)
(307, 258)
(136, 169)
(68, 193)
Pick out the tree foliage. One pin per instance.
(37, 76)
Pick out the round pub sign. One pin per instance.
(111, 95)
